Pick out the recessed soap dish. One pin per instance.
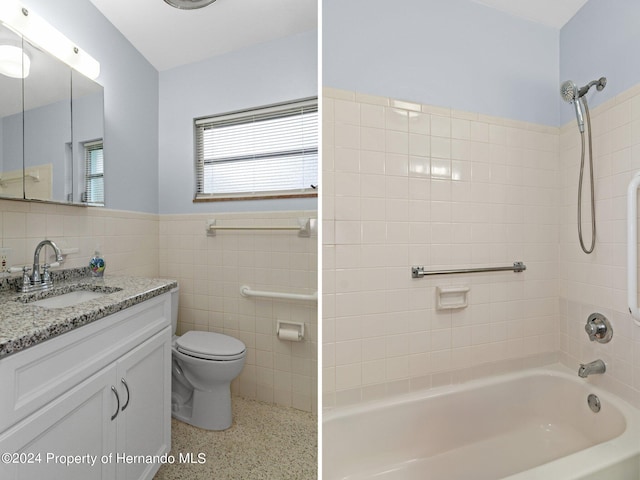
(450, 298)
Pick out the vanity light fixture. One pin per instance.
(14, 62)
(37, 31)
(189, 4)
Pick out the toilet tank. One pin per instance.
(175, 295)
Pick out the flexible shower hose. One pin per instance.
(593, 203)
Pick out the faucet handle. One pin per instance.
(26, 280)
(46, 276)
(598, 328)
(592, 330)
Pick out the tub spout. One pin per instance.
(586, 369)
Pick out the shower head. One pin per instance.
(570, 93)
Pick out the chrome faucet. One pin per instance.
(36, 281)
(595, 367)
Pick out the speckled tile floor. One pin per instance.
(265, 442)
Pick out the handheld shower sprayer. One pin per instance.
(572, 94)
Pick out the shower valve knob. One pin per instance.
(598, 328)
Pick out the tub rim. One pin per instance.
(571, 467)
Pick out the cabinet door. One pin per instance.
(144, 421)
(77, 424)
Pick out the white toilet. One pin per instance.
(203, 366)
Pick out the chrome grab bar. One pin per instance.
(419, 272)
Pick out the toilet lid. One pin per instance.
(210, 345)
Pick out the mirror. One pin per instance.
(87, 99)
(51, 135)
(11, 126)
(47, 128)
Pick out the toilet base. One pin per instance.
(209, 410)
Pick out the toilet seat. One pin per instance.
(210, 346)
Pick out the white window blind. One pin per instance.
(94, 172)
(263, 152)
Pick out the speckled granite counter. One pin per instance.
(23, 324)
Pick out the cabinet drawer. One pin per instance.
(35, 376)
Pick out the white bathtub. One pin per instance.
(535, 424)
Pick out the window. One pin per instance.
(266, 152)
(94, 173)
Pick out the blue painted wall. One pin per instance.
(272, 72)
(602, 39)
(148, 159)
(130, 102)
(452, 53)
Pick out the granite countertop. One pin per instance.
(23, 324)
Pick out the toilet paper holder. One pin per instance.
(293, 331)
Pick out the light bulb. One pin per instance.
(14, 62)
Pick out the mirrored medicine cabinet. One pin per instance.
(51, 127)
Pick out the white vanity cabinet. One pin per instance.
(144, 421)
(98, 395)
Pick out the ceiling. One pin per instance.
(169, 37)
(553, 13)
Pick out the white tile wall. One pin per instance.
(403, 184)
(210, 271)
(407, 184)
(128, 241)
(597, 282)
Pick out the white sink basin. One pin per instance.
(68, 299)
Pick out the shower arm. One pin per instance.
(599, 84)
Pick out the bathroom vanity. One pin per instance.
(86, 388)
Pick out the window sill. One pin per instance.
(275, 196)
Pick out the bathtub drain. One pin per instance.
(594, 403)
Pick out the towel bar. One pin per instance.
(305, 228)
